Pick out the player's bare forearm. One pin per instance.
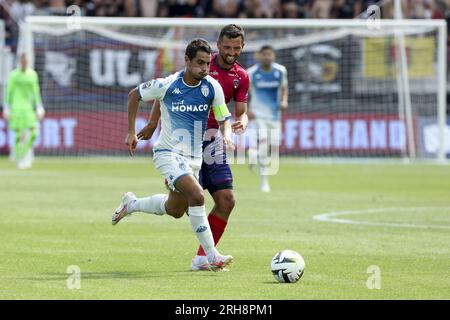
(155, 113)
(284, 98)
(147, 132)
(133, 107)
(225, 130)
(241, 122)
(240, 108)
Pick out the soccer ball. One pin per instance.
(287, 266)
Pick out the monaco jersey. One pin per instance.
(265, 90)
(234, 82)
(184, 111)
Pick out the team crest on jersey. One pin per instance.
(205, 90)
(236, 83)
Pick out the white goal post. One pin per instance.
(351, 92)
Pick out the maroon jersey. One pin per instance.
(234, 82)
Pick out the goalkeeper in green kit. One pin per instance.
(23, 109)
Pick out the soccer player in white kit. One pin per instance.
(186, 98)
(268, 97)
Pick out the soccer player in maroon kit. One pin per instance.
(216, 176)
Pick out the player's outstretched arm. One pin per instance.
(147, 132)
(40, 111)
(284, 90)
(147, 91)
(284, 98)
(133, 107)
(8, 97)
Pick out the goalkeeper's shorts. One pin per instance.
(21, 119)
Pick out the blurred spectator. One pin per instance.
(261, 9)
(416, 9)
(102, 8)
(59, 4)
(128, 8)
(11, 28)
(321, 9)
(50, 7)
(271, 8)
(251, 9)
(226, 8)
(343, 9)
(13, 11)
(291, 9)
(438, 8)
(148, 8)
(20, 9)
(180, 8)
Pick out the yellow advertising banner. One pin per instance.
(380, 57)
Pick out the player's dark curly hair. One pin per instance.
(197, 45)
(232, 31)
(266, 47)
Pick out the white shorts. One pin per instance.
(269, 130)
(173, 166)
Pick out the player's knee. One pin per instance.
(175, 207)
(196, 198)
(226, 204)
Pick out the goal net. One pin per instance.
(355, 89)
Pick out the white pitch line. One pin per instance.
(330, 217)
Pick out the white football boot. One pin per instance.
(122, 209)
(220, 262)
(200, 263)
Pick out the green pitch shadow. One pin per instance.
(119, 275)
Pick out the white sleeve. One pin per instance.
(219, 106)
(250, 72)
(155, 89)
(219, 97)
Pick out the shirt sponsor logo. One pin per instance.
(189, 108)
(267, 84)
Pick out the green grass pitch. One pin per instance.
(58, 214)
